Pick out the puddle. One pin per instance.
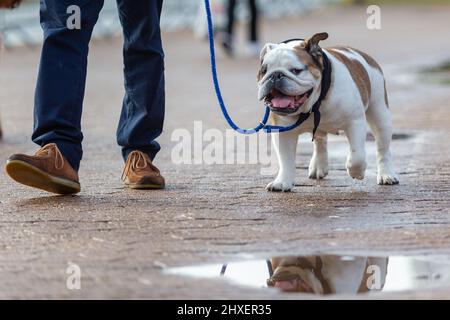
(439, 74)
(330, 274)
(395, 136)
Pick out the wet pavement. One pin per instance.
(124, 241)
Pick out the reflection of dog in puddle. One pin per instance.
(8, 4)
(328, 274)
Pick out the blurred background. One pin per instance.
(21, 26)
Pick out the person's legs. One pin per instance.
(59, 98)
(253, 21)
(142, 117)
(62, 76)
(227, 41)
(253, 46)
(230, 13)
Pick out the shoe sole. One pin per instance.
(28, 175)
(144, 186)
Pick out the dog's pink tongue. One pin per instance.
(282, 101)
(286, 285)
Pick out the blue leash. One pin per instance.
(263, 124)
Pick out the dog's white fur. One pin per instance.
(343, 109)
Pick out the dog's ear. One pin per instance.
(313, 42)
(266, 49)
(313, 47)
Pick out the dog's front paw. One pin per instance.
(318, 169)
(387, 178)
(356, 169)
(280, 186)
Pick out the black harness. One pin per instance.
(324, 88)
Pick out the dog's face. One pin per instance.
(291, 74)
(289, 276)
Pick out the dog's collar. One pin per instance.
(324, 88)
(291, 40)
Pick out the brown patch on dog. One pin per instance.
(313, 48)
(358, 73)
(310, 53)
(371, 61)
(307, 59)
(341, 48)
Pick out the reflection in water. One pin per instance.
(328, 274)
(331, 274)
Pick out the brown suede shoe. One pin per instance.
(47, 170)
(140, 173)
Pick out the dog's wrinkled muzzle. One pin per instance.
(274, 82)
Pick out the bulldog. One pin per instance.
(328, 274)
(341, 88)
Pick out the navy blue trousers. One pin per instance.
(62, 76)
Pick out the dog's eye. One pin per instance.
(296, 71)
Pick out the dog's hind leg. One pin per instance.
(356, 132)
(318, 167)
(380, 122)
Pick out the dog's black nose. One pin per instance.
(276, 76)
